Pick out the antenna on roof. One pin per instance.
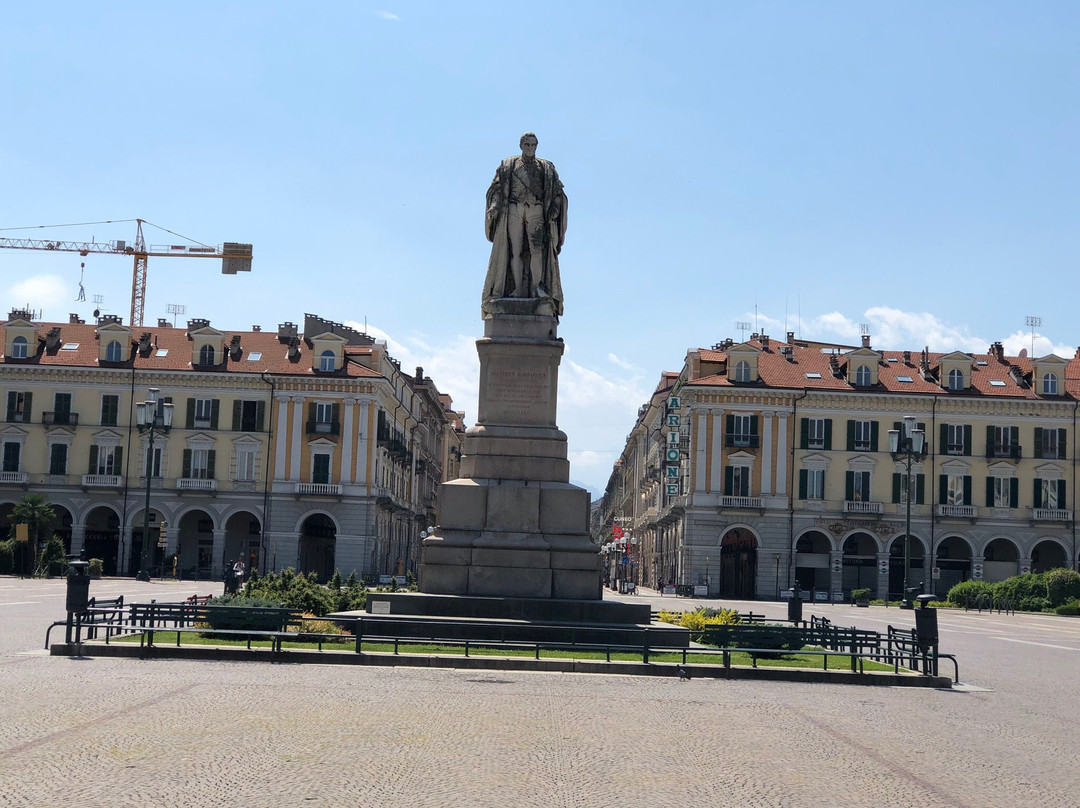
(1032, 323)
(864, 328)
(175, 309)
(742, 326)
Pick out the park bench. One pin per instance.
(198, 600)
(182, 615)
(101, 611)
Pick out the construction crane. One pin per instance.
(234, 257)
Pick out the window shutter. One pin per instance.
(989, 441)
(1014, 492)
(943, 489)
(1038, 441)
(1036, 494)
(187, 464)
(728, 474)
(13, 397)
(335, 419)
(849, 485)
(190, 419)
(967, 439)
(236, 410)
(1062, 443)
(989, 492)
(1061, 493)
(828, 433)
(215, 410)
(729, 425)
(93, 458)
(920, 489)
(260, 415)
(943, 442)
(897, 484)
(874, 436)
(850, 437)
(754, 425)
(311, 416)
(118, 457)
(967, 489)
(1014, 434)
(28, 401)
(211, 456)
(804, 428)
(802, 483)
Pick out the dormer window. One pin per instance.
(327, 361)
(113, 352)
(206, 355)
(956, 379)
(742, 371)
(862, 376)
(1050, 384)
(18, 348)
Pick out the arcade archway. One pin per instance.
(738, 565)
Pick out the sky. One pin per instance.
(910, 168)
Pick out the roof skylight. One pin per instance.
(813, 375)
(997, 383)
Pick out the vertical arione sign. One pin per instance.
(673, 457)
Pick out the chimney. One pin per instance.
(1016, 374)
(419, 374)
(286, 332)
(907, 357)
(73, 319)
(144, 343)
(52, 339)
(866, 340)
(834, 364)
(764, 342)
(294, 348)
(997, 350)
(163, 322)
(791, 337)
(109, 319)
(256, 328)
(234, 347)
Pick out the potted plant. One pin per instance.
(861, 596)
(95, 567)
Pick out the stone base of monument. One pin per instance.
(513, 526)
(421, 616)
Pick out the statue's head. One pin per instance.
(528, 143)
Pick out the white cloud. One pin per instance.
(620, 362)
(39, 292)
(386, 15)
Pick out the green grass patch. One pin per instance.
(738, 658)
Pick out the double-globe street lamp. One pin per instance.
(152, 419)
(906, 443)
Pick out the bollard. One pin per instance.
(78, 593)
(794, 606)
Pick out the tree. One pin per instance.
(33, 510)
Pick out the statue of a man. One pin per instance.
(526, 225)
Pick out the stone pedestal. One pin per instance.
(513, 525)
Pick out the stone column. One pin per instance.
(78, 537)
(766, 452)
(782, 454)
(836, 573)
(281, 436)
(218, 554)
(363, 445)
(347, 441)
(296, 446)
(883, 580)
(716, 469)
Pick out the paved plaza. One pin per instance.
(117, 732)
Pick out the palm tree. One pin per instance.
(33, 510)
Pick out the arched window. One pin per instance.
(326, 361)
(18, 348)
(742, 371)
(112, 352)
(862, 376)
(206, 355)
(956, 379)
(1050, 384)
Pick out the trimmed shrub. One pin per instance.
(860, 594)
(1070, 609)
(968, 593)
(1026, 593)
(1062, 586)
(7, 557)
(304, 593)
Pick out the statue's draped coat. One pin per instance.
(498, 273)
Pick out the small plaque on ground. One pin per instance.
(380, 607)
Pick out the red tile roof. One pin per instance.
(274, 357)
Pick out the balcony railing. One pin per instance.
(319, 489)
(1008, 452)
(860, 506)
(13, 477)
(740, 502)
(962, 511)
(1051, 515)
(60, 418)
(740, 441)
(195, 484)
(101, 480)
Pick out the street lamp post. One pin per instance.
(906, 444)
(151, 420)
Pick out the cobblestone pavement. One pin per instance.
(116, 732)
